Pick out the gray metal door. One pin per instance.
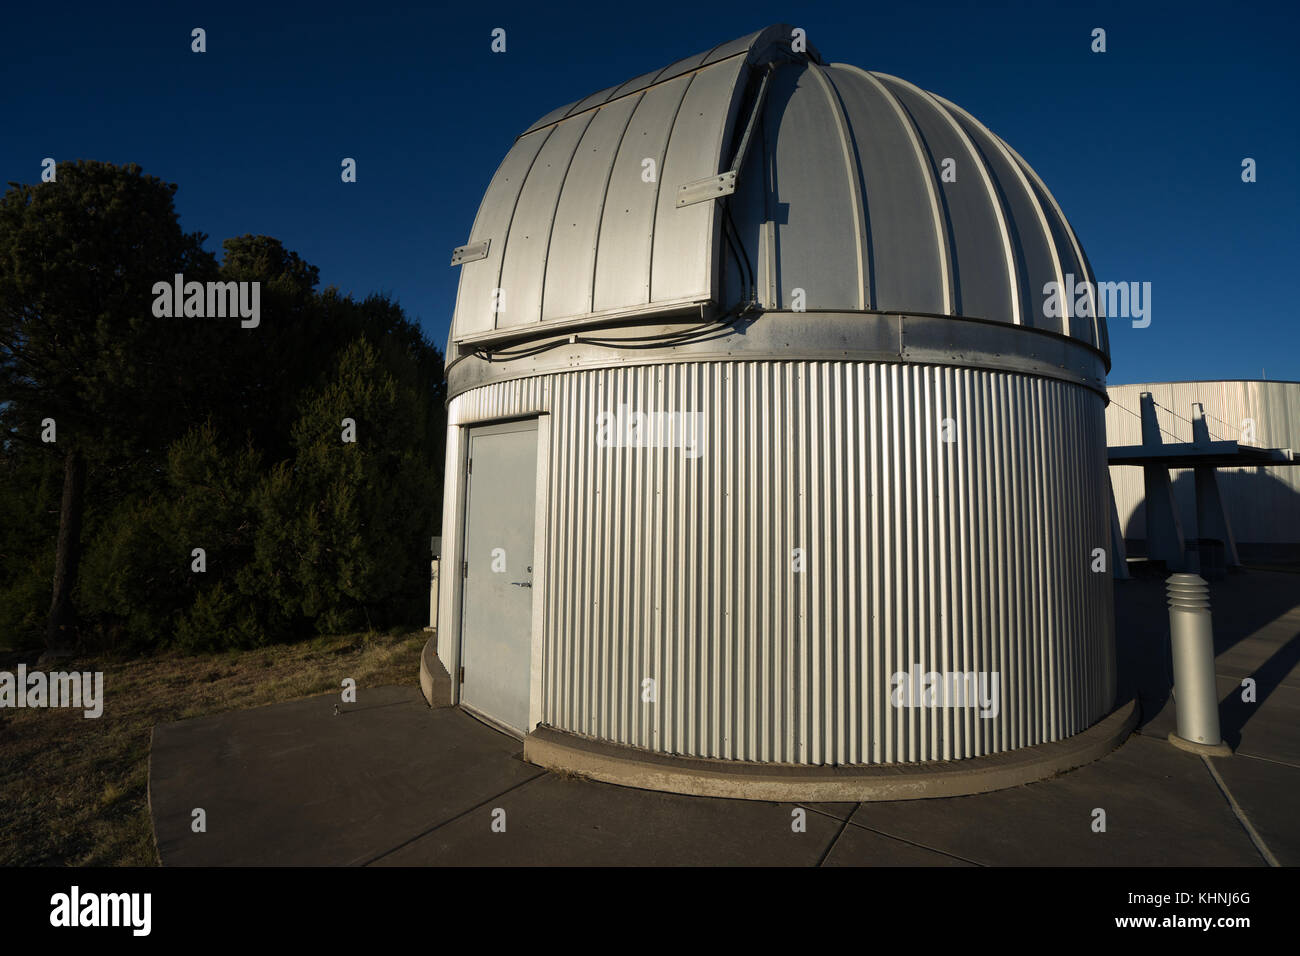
(497, 606)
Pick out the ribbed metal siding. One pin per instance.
(514, 399)
(970, 555)
(1263, 504)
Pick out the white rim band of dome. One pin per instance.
(802, 336)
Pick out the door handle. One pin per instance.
(522, 584)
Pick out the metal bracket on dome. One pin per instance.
(711, 187)
(724, 184)
(471, 252)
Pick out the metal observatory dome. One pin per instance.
(765, 464)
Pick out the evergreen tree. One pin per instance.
(364, 508)
(178, 433)
(78, 340)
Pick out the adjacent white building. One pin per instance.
(1261, 502)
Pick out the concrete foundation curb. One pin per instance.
(435, 682)
(786, 783)
(1221, 749)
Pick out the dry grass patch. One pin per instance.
(74, 790)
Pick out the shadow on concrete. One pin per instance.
(1242, 605)
(1234, 711)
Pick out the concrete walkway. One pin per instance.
(390, 782)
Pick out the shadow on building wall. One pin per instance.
(1271, 502)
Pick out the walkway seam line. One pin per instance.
(1255, 838)
(890, 836)
(1272, 760)
(439, 826)
(844, 825)
(919, 846)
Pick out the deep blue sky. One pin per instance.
(1142, 146)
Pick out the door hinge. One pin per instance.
(470, 469)
(464, 569)
(460, 678)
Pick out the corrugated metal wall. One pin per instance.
(969, 555)
(1263, 504)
